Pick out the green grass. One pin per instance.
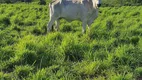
(112, 50)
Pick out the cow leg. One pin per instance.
(57, 24)
(51, 22)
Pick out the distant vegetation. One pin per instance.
(112, 50)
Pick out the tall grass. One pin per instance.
(111, 50)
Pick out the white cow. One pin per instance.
(83, 10)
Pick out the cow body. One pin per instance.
(83, 10)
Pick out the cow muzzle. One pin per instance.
(98, 5)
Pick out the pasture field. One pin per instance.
(112, 50)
